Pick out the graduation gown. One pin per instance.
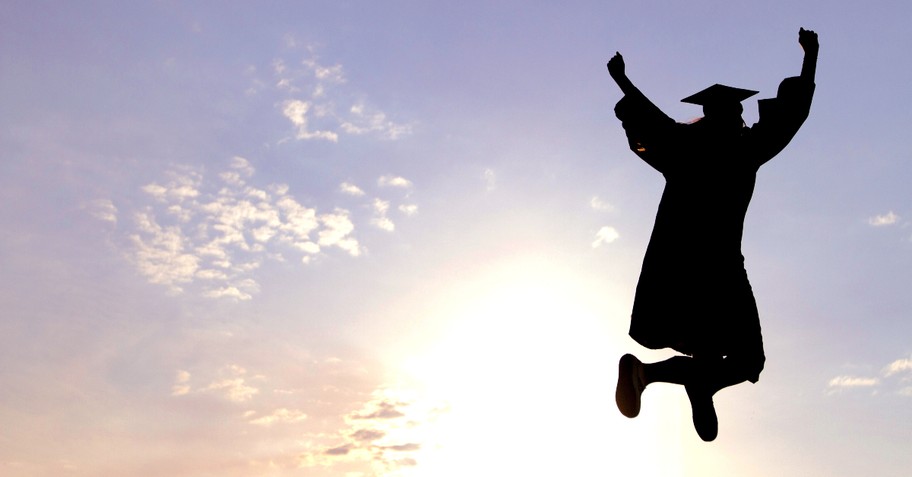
(693, 294)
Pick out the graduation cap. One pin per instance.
(719, 94)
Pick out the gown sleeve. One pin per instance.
(781, 117)
(648, 129)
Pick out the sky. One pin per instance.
(401, 238)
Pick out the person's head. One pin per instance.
(721, 106)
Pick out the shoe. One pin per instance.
(630, 385)
(704, 413)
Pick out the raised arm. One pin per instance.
(782, 116)
(648, 129)
(808, 40)
(616, 70)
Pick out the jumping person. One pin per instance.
(693, 295)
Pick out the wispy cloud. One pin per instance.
(182, 186)
(380, 219)
(367, 435)
(381, 409)
(394, 181)
(313, 96)
(350, 189)
(362, 121)
(340, 450)
(604, 236)
(388, 432)
(281, 415)
(161, 253)
(336, 231)
(234, 389)
(408, 209)
(242, 290)
(889, 218)
(102, 209)
(490, 179)
(299, 112)
(231, 384)
(852, 382)
(217, 233)
(893, 376)
(181, 383)
(598, 204)
(903, 365)
(346, 428)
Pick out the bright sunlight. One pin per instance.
(525, 364)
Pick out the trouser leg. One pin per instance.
(710, 373)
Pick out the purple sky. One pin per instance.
(401, 238)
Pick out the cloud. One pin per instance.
(383, 410)
(382, 435)
(242, 290)
(102, 209)
(184, 185)
(407, 462)
(383, 223)
(367, 435)
(402, 447)
(242, 165)
(380, 206)
(278, 65)
(380, 220)
(881, 220)
(332, 74)
(232, 385)
(297, 112)
(394, 181)
(181, 383)
(282, 415)
(299, 221)
(160, 253)
(898, 366)
(888, 379)
(598, 204)
(852, 382)
(337, 227)
(350, 189)
(604, 236)
(408, 209)
(314, 87)
(490, 179)
(216, 233)
(234, 388)
(363, 121)
(207, 231)
(341, 450)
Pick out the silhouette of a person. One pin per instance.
(693, 294)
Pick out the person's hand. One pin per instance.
(616, 66)
(808, 40)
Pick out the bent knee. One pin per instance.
(748, 366)
(753, 366)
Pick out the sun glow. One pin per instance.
(525, 362)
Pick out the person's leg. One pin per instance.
(712, 374)
(675, 370)
(634, 376)
(701, 377)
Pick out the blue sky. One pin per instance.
(401, 239)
